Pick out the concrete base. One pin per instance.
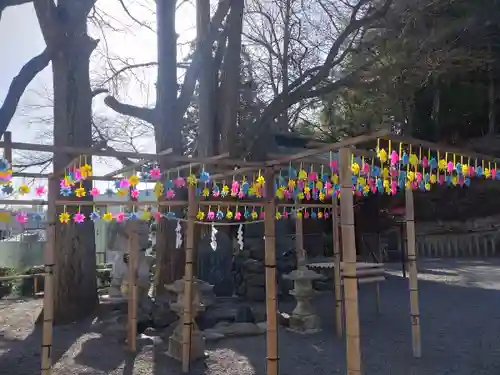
(197, 347)
(304, 324)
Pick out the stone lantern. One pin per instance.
(303, 318)
(200, 302)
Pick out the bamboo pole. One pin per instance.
(339, 308)
(270, 265)
(349, 256)
(299, 240)
(138, 164)
(413, 275)
(187, 316)
(49, 283)
(133, 263)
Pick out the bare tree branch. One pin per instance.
(4, 4)
(18, 86)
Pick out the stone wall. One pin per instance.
(248, 265)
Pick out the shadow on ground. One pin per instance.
(460, 336)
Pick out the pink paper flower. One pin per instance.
(124, 184)
(180, 182)
(241, 194)
(134, 193)
(63, 183)
(262, 215)
(120, 217)
(285, 214)
(21, 217)
(77, 174)
(94, 192)
(155, 173)
(326, 215)
(334, 165)
(235, 187)
(211, 215)
(79, 218)
(157, 216)
(313, 176)
(237, 216)
(170, 194)
(40, 191)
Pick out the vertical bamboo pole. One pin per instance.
(349, 256)
(133, 249)
(270, 264)
(339, 308)
(413, 278)
(299, 239)
(187, 316)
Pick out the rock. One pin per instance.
(259, 313)
(212, 335)
(244, 314)
(253, 266)
(238, 329)
(162, 316)
(256, 279)
(284, 319)
(216, 314)
(262, 326)
(256, 294)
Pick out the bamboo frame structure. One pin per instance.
(413, 275)
(299, 240)
(187, 317)
(345, 277)
(270, 273)
(349, 255)
(337, 279)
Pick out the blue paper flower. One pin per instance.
(7, 189)
(170, 215)
(219, 215)
(94, 216)
(204, 176)
(109, 192)
(65, 191)
(433, 163)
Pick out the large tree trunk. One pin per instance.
(75, 257)
(169, 261)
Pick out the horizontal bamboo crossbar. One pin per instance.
(138, 164)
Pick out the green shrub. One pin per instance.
(7, 286)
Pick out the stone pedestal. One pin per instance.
(303, 318)
(200, 288)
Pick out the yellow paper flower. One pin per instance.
(319, 185)
(254, 215)
(24, 189)
(355, 168)
(465, 170)
(278, 215)
(427, 186)
(320, 215)
(260, 180)
(408, 184)
(335, 179)
(280, 192)
(85, 171)
(413, 160)
(229, 214)
(302, 175)
(361, 181)
(251, 191)
(64, 217)
(200, 215)
(80, 192)
(108, 216)
(454, 180)
(291, 184)
(205, 192)
(386, 184)
(192, 181)
(487, 173)
(146, 215)
(225, 190)
(307, 190)
(299, 215)
(158, 189)
(133, 180)
(321, 196)
(300, 195)
(442, 164)
(433, 179)
(366, 189)
(382, 155)
(411, 176)
(385, 173)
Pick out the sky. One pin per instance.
(20, 40)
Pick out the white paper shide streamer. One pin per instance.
(213, 238)
(239, 236)
(178, 235)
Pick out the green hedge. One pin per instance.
(26, 287)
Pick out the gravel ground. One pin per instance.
(460, 335)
